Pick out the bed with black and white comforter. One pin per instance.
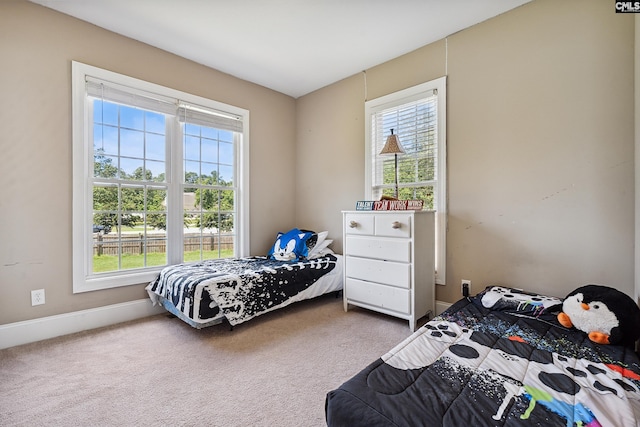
(207, 292)
(504, 362)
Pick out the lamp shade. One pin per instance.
(392, 146)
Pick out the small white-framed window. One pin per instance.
(159, 177)
(417, 115)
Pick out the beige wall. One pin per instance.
(540, 147)
(637, 156)
(37, 46)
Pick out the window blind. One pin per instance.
(416, 124)
(207, 117)
(186, 112)
(113, 92)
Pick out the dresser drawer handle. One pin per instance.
(353, 224)
(396, 224)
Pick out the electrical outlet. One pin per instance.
(465, 287)
(37, 297)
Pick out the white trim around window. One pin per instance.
(83, 79)
(377, 108)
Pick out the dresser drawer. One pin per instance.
(387, 297)
(385, 272)
(393, 225)
(359, 224)
(371, 247)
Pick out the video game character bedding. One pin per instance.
(207, 292)
(500, 358)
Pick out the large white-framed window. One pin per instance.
(417, 116)
(159, 177)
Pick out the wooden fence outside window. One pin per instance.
(136, 243)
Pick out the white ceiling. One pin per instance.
(291, 46)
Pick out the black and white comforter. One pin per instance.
(204, 293)
(507, 365)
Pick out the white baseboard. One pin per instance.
(28, 331)
(441, 306)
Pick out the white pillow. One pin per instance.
(321, 236)
(325, 251)
(321, 248)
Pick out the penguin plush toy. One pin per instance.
(607, 315)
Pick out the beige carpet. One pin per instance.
(274, 370)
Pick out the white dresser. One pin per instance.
(389, 261)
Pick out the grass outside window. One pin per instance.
(104, 263)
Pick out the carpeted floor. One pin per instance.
(274, 370)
